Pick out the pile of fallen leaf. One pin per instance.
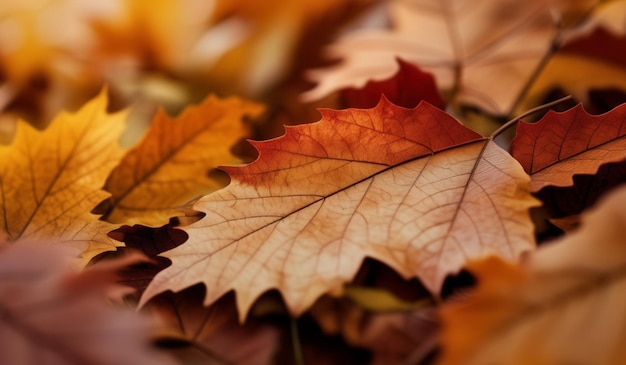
(446, 188)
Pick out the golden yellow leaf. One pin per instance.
(412, 188)
(50, 180)
(169, 167)
(565, 305)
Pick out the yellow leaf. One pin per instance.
(381, 300)
(50, 180)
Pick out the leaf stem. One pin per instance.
(554, 46)
(513, 121)
(295, 341)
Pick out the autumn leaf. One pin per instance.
(391, 336)
(563, 305)
(51, 179)
(406, 88)
(51, 315)
(210, 335)
(589, 56)
(561, 145)
(170, 166)
(40, 46)
(412, 188)
(482, 53)
(565, 204)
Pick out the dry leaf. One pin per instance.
(562, 202)
(211, 335)
(590, 56)
(482, 52)
(573, 142)
(50, 180)
(565, 305)
(391, 337)
(32, 43)
(51, 316)
(406, 88)
(412, 188)
(170, 166)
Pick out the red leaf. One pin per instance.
(573, 142)
(406, 88)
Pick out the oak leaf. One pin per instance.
(533, 313)
(50, 180)
(51, 315)
(412, 188)
(483, 53)
(170, 166)
(573, 142)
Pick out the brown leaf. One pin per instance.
(50, 180)
(482, 52)
(211, 335)
(170, 166)
(573, 142)
(412, 188)
(565, 305)
(391, 337)
(561, 202)
(52, 316)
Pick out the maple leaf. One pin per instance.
(213, 335)
(169, 167)
(412, 188)
(482, 52)
(51, 179)
(51, 315)
(573, 142)
(532, 313)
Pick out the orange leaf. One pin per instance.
(565, 305)
(412, 188)
(51, 179)
(52, 316)
(483, 52)
(169, 167)
(573, 142)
